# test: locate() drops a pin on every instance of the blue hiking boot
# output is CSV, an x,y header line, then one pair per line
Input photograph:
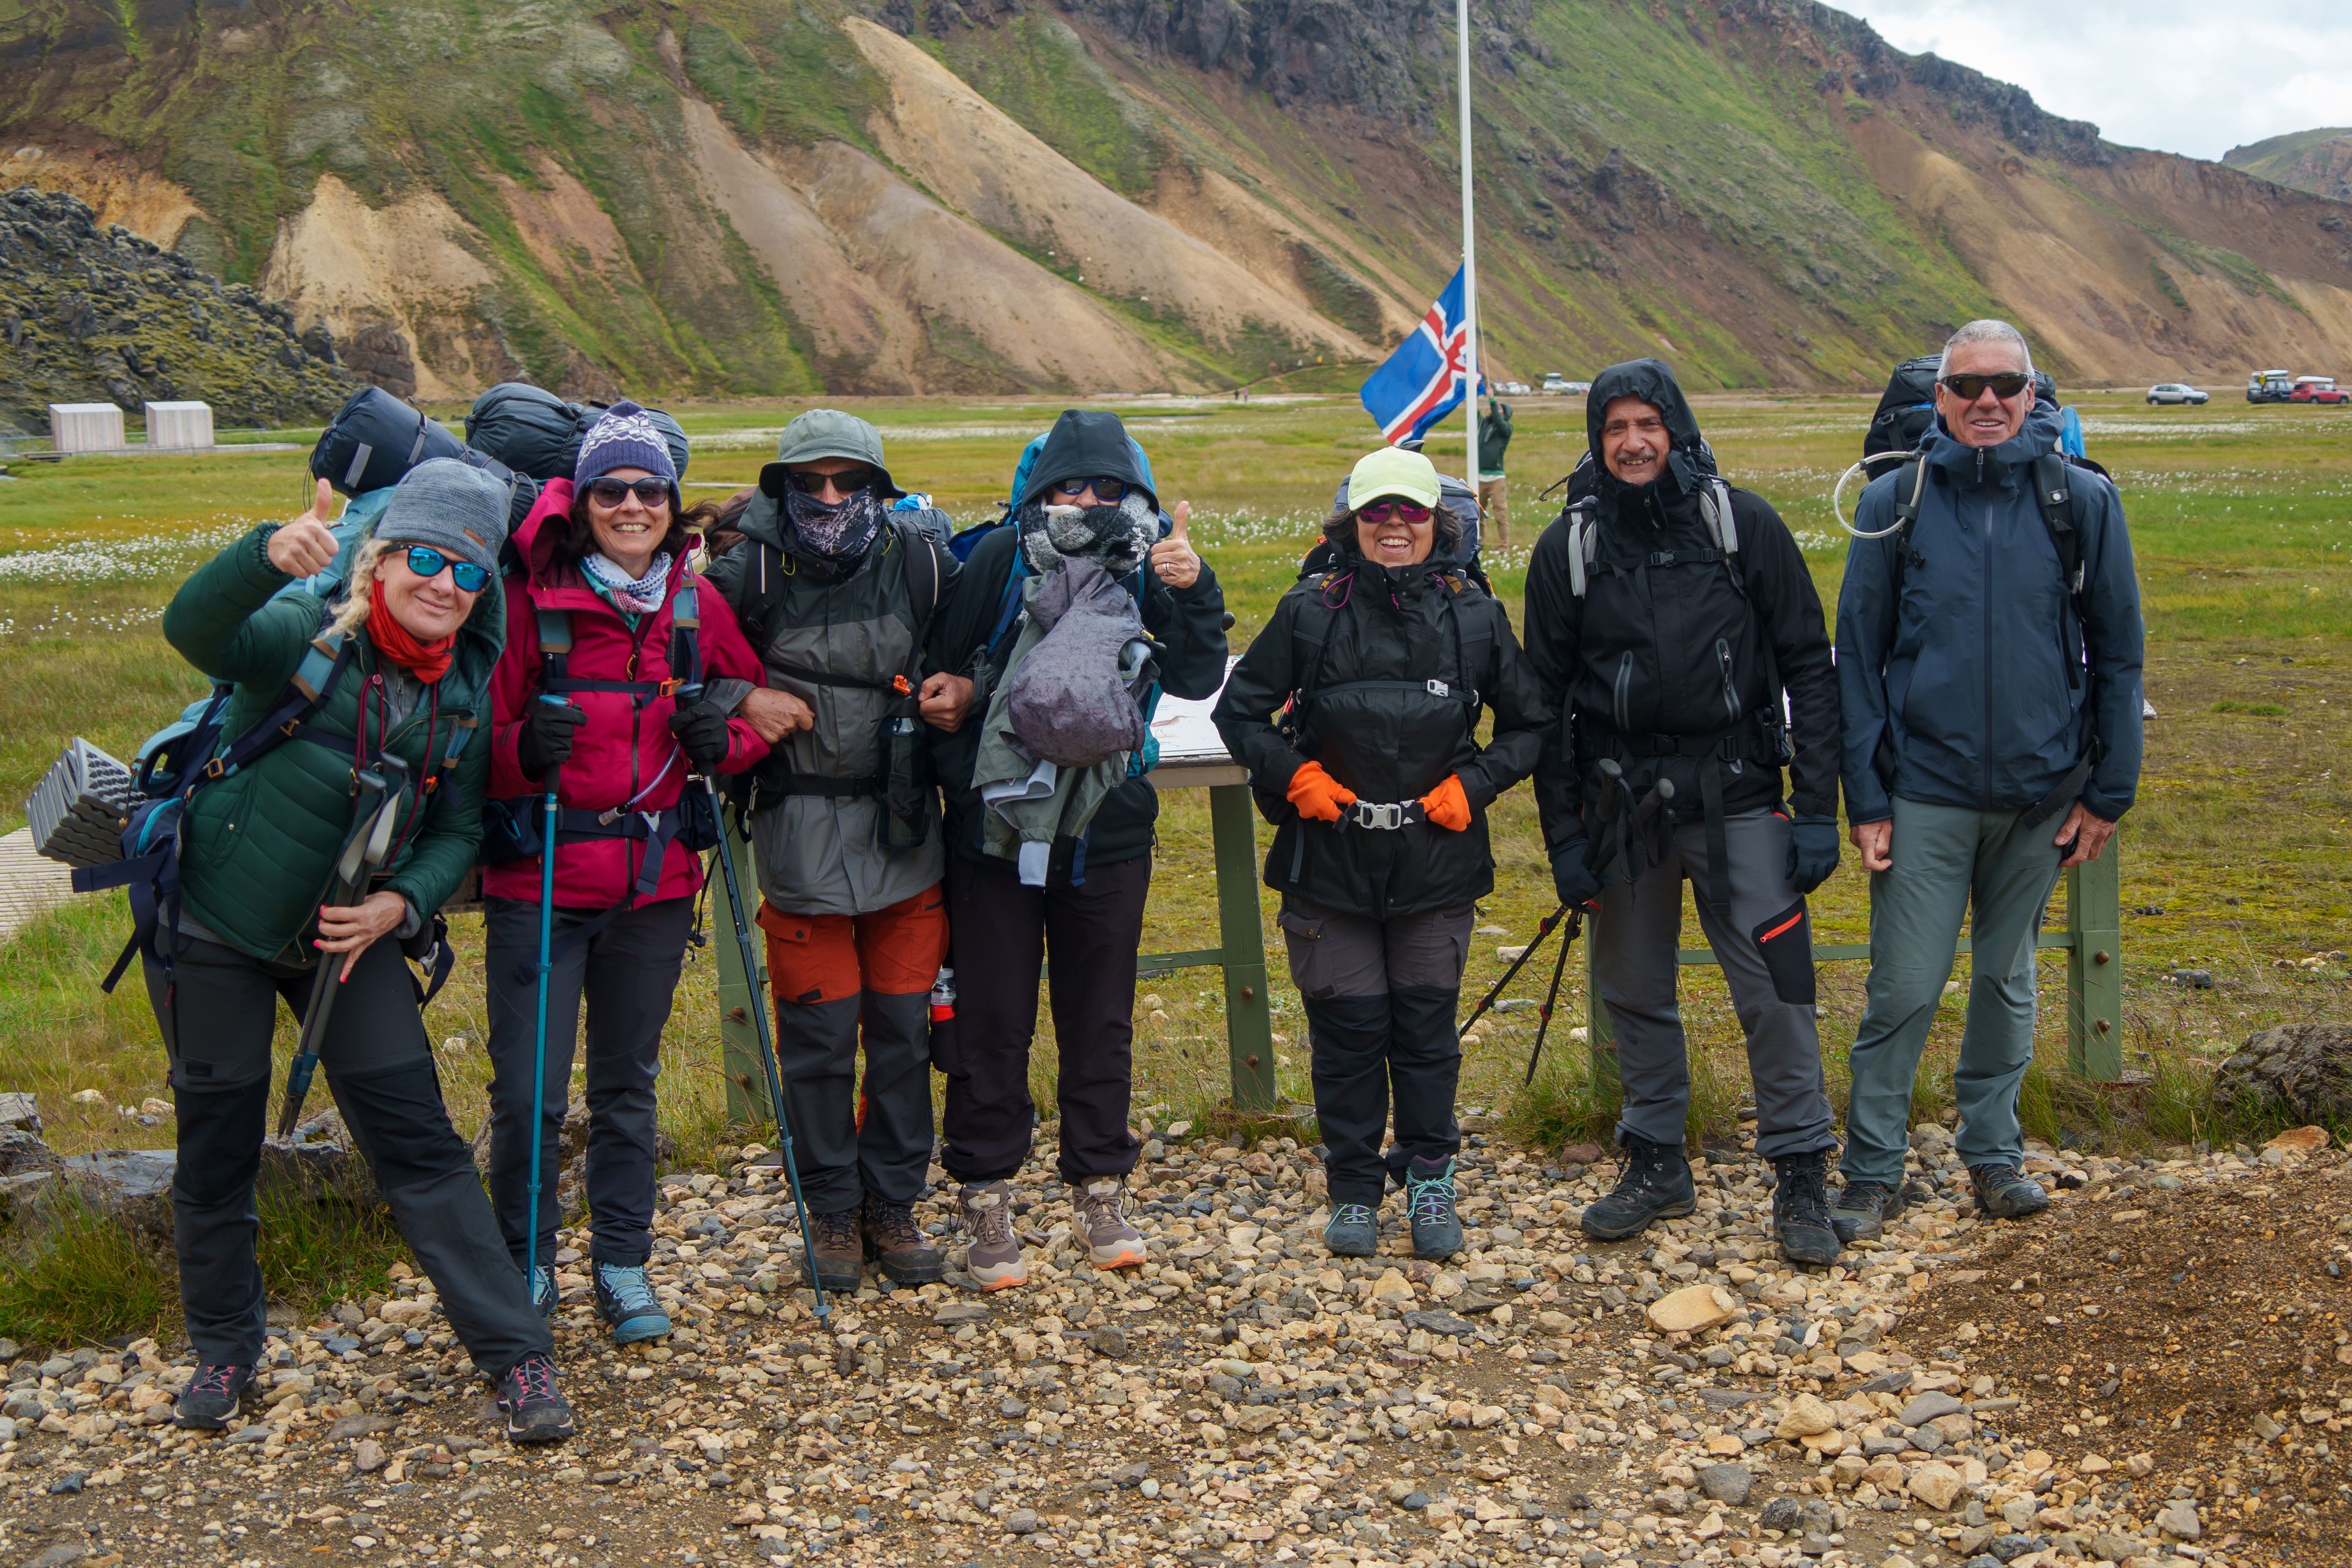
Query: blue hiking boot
x,y
1354,1231
543,1294
627,1302
1429,1199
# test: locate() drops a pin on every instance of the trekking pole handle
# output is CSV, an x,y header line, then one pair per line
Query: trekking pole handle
x,y
555,770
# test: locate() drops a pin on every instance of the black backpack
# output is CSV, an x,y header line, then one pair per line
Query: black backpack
x,y
529,430
1905,409
375,438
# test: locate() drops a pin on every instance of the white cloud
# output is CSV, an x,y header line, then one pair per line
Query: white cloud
x,y
2184,76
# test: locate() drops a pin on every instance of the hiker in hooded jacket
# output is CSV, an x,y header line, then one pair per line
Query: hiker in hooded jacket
x,y
1992,710
602,614
1672,619
1379,666
1057,858
418,629
843,599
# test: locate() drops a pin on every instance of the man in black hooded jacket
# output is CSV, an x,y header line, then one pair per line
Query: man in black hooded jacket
x,y
1086,497
1668,614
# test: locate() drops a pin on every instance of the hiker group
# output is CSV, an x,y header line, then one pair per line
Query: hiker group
x,y
941,749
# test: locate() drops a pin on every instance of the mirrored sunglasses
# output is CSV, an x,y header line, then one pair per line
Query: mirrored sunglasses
x,y
1380,511
427,562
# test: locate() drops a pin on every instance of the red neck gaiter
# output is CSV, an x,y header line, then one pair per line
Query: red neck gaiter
x,y
428,661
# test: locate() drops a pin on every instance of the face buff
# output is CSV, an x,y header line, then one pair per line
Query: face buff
x,y
1116,538
841,533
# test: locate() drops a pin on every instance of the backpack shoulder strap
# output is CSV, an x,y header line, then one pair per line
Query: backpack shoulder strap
x,y
1715,506
1910,491
1477,638
1583,543
686,633
2053,489
925,575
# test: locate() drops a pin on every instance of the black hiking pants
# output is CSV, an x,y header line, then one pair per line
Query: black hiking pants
x,y
217,1012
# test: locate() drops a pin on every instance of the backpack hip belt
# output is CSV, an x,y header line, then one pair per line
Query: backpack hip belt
x,y
1387,818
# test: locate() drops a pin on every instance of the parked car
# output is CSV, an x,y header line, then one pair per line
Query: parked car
x,y
1515,389
2269,387
2175,392
1554,381
2318,389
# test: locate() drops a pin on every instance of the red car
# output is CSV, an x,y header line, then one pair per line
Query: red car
x,y
2318,389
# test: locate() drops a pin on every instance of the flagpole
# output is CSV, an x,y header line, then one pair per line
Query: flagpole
x,y
1469,248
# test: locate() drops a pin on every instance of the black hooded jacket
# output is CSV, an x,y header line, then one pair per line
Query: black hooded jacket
x,y
1665,644
1391,739
1190,623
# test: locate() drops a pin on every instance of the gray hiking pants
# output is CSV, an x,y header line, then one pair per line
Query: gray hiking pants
x,y
1765,944
1949,861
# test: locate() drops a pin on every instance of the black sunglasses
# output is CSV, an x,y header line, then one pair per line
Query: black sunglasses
x,y
1106,489
2006,383
650,492
427,562
847,481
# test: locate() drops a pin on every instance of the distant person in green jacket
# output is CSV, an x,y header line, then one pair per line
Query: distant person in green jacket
x,y
418,625
1493,492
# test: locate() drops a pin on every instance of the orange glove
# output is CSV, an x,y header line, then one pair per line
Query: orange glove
x,y
1318,796
1447,805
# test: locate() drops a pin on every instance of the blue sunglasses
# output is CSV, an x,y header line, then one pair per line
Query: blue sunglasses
x,y
427,562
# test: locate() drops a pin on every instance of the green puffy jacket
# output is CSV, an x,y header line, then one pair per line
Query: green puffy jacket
x,y
260,845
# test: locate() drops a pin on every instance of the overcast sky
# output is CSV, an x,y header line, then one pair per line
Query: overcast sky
x,y
2184,76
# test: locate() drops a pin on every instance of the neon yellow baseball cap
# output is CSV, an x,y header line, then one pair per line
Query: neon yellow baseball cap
x,y
1393,471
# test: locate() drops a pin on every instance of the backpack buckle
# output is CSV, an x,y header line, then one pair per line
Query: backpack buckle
x,y
669,688
1388,816
214,769
1439,689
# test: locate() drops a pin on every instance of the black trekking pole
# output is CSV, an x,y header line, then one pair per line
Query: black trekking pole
x,y
759,1010
371,840
1551,998
1543,930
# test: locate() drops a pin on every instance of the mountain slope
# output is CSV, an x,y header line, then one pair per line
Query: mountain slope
x,y
2320,162
776,196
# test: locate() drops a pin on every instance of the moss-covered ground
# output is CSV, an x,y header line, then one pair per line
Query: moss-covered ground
x,y
2235,861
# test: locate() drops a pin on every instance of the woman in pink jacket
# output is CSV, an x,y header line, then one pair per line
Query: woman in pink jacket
x,y
605,617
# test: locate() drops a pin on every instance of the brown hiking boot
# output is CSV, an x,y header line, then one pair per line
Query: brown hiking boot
x,y
1111,1241
994,1258
893,1237
840,1262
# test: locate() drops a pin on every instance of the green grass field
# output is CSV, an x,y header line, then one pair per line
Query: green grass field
x,y
2234,862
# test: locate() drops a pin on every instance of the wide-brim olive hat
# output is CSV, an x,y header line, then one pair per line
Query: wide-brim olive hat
x,y
828,432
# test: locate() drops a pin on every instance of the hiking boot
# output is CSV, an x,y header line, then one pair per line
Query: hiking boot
x,y
545,1294
892,1237
2004,1192
1111,1241
213,1395
994,1258
1801,1208
1865,1210
1654,1184
1354,1231
839,1261
625,1299
535,1412
1429,1204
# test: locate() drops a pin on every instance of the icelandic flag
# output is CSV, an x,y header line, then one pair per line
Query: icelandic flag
x,y
1421,382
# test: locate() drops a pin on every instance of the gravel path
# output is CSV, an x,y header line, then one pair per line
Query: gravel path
x,y
1243,1398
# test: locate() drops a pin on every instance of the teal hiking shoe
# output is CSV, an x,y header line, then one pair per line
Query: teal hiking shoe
x,y
625,1300
1354,1231
1429,1199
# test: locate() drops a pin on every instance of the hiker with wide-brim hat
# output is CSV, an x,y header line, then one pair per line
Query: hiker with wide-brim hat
x,y
1087,502
1379,666
837,593
603,615
419,622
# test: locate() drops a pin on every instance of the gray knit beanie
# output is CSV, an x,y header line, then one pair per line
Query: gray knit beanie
x,y
452,506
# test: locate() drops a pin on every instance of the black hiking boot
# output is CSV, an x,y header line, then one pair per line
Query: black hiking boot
x,y
535,1411
1801,1208
1864,1209
217,1392
1655,1184
2004,1192
892,1238
839,1264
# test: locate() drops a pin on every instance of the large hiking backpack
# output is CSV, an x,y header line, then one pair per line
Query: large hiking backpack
x,y
375,438
538,434
1905,409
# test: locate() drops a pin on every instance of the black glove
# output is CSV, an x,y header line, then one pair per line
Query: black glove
x,y
1812,852
702,732
1577,885
546,739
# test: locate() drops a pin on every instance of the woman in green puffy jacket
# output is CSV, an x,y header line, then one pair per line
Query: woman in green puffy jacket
x,y
416,630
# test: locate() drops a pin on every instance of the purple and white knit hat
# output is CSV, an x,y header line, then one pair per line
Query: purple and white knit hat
x,y
623,438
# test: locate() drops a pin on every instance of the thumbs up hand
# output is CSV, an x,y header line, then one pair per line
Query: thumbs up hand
x,y
1174,560
307,545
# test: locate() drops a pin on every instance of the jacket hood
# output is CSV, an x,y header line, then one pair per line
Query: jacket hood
x,y
827,433
535,539
1082,444
2036,436
1687,459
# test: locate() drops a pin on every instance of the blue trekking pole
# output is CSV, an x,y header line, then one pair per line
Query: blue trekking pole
x,y
686,697
547,812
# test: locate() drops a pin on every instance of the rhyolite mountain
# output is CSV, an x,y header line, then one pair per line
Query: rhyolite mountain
x,y
780,197
2319,161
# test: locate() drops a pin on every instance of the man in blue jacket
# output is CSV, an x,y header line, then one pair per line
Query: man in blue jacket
x,y
1991,717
